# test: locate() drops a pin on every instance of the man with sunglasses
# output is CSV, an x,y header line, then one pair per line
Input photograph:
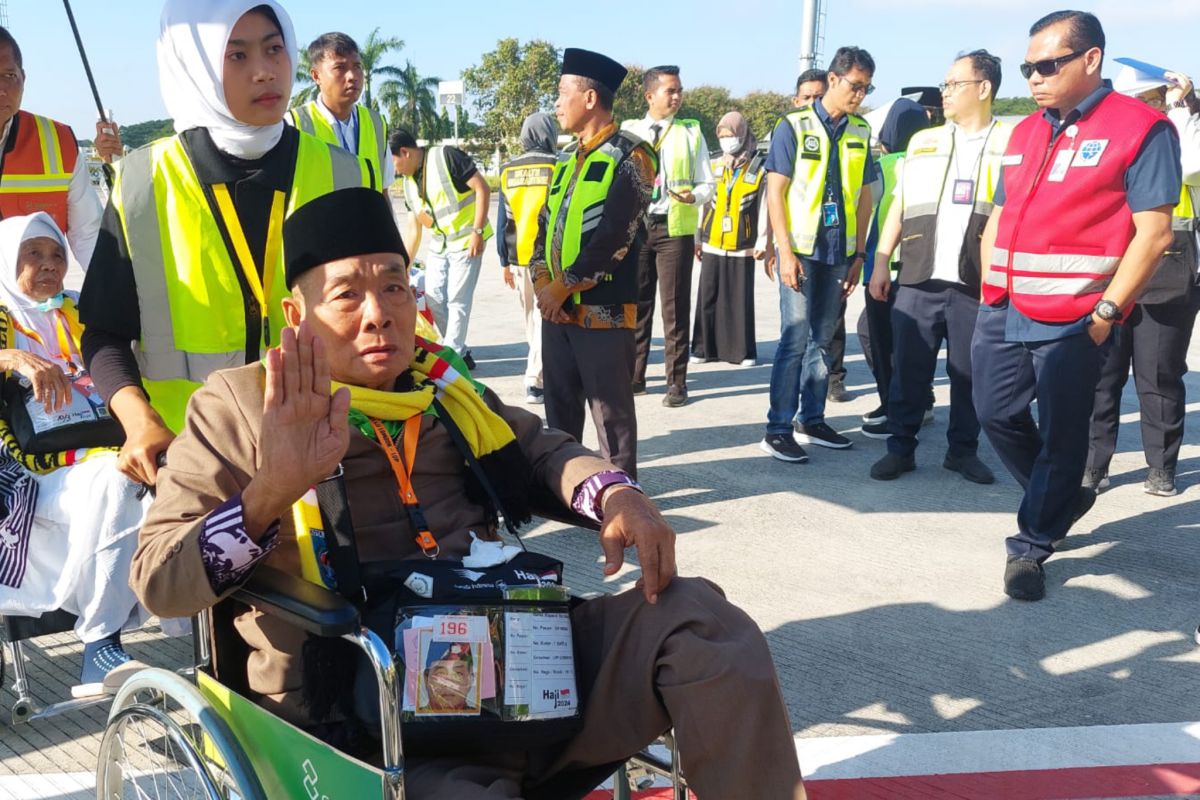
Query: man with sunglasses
x,y
1081,216
943,201
819,199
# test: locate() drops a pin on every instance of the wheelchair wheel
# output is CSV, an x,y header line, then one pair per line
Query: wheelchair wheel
x,y
164,741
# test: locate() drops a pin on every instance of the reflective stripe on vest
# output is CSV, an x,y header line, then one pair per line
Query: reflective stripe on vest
x,y
585,207
1059,241
453,212
525,187
38,169
806,193
190,300
372,133
738,203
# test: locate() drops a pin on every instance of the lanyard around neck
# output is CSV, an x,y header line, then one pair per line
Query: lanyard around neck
x,y
402,468
67,350
262,285
663,136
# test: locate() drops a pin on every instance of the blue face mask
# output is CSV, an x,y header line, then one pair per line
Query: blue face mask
x,y
51,304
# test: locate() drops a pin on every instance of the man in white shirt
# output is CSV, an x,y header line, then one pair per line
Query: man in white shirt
x,y
683,185
36,174
336,116
943,200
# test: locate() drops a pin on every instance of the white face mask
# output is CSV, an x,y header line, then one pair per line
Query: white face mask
x,y
730,144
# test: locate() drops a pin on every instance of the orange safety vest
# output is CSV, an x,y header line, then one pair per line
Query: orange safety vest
x,y
37,170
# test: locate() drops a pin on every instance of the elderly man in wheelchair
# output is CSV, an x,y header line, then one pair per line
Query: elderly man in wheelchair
x,y
370,462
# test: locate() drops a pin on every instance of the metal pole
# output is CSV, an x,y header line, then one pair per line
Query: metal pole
x,y
83,55
455,125
808,34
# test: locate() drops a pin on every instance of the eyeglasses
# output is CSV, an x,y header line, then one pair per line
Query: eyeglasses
x,y
950,87
1050,66
858,88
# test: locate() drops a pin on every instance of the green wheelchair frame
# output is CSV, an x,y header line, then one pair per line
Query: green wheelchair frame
x,y
170,737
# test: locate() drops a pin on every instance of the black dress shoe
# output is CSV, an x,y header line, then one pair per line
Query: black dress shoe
x,y
892,466
970,467
676,397
639,387
1024,579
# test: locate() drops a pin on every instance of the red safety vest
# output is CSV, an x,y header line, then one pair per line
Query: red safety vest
x,y
1066,224
37,171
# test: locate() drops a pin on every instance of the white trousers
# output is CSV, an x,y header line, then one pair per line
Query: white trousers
x,y
450,280
533,325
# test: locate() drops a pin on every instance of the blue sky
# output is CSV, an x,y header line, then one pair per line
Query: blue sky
x,y
746,45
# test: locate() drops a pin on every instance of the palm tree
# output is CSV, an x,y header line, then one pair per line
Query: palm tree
x,y
372,52
411,100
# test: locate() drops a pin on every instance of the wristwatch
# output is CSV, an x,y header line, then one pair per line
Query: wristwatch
x,y
1108,311
1180,103
859,254
477,231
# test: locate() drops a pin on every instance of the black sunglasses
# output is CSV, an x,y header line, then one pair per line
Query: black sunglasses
x,y
1050,66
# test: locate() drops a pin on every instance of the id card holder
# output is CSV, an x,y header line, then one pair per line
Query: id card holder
x,y
656,195
829,213
726,224
1058,171
964,192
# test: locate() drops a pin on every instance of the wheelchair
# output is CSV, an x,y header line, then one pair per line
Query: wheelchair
x,y
16,631
169,736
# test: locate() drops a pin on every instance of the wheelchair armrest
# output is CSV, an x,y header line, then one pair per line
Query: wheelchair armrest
x,y
298,602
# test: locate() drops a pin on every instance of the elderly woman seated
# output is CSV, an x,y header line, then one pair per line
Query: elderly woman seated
x,y
69,532
351,385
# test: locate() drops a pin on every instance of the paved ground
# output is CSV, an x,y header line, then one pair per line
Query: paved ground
x,y
882,601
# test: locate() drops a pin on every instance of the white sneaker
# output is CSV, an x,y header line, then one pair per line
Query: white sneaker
x,y
749,362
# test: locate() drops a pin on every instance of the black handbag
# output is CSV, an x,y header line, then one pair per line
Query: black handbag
x,y
82,423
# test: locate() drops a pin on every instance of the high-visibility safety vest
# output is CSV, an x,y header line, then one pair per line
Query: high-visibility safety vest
x,y
453,212
806,193
678,150
372,133
890,165
927,168
524,186
37,171
1066,224
1175,277
197,313
579,212
731,217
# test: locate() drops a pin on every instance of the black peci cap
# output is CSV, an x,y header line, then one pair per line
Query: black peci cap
x,y
341,224
596,66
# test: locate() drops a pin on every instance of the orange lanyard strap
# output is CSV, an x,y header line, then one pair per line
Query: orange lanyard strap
x,y
66,346
402,468
260,287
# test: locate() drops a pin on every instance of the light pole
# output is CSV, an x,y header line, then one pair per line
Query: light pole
x,y
810,34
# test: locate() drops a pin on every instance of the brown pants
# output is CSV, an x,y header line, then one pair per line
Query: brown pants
x,y
665,267
592,367
693,661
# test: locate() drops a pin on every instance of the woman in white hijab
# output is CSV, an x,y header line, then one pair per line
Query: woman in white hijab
x,y
189,261
70,531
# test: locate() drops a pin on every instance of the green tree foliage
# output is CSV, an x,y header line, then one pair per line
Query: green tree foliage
x,y
411,101
630,101
1014,106
707,104
134,136
510,83
762,110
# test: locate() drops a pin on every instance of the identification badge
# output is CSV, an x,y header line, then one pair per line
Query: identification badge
x,y
1061,162
829,212
726,224
964,192
812,144
1089,153
656,195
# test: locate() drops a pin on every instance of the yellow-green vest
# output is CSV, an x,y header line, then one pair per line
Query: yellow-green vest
x,y
453,212
926,169
524,186
677,150
372,133
579,215
806,193
192,306
731,217
1175,277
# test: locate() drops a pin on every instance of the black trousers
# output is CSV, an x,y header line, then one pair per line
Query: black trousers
x,y
665,269
923,316
875,338
1046,457
724,327
592,367
837,348
1155,341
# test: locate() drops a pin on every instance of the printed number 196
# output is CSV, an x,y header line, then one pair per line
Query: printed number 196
x,y
453,628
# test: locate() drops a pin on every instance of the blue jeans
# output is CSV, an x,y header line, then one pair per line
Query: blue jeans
x,y
807,320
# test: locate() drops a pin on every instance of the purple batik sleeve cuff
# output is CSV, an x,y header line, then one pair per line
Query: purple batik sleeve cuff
x,y
589,493
228,552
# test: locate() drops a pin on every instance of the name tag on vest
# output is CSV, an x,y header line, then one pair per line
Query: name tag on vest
x,y
1011,160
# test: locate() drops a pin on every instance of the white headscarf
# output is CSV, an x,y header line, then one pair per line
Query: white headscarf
x,y
29,314
191,55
